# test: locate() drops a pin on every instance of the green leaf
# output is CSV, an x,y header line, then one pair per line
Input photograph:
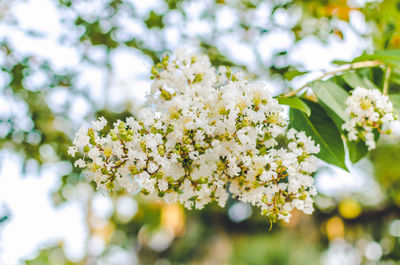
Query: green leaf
x,y
296,103
387,56
354,80
395,99
395,78
332,96
323,131
289,75
357,150
340,62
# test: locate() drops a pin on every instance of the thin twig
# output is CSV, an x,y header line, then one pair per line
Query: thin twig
x,y
341,69
387,78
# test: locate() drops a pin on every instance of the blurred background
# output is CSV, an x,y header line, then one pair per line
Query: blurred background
x,y
63,63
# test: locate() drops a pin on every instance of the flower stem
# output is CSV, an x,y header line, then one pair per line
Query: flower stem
x,y
343,68
387,78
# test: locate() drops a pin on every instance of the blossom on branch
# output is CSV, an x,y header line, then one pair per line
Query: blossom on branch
x,y
368,110
206,134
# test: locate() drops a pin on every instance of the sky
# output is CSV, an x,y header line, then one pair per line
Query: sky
x,y
35,222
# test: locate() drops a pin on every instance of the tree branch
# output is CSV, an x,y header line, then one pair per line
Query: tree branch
x,y
341,69
387,78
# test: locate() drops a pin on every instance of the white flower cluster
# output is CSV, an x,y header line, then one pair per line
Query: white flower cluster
x,y
205,134
368,110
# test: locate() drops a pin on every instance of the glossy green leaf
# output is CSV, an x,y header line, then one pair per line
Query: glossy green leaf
x,y
395,78
387,56
289,75
323,131
354,80
333,99
395,99
357,150
296,103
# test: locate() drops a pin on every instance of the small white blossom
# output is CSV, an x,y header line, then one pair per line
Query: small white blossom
x,y
80,163
367,109
81,138
100,124
72,151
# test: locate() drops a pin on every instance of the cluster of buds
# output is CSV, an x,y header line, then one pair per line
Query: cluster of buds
x,y
368,110
206,134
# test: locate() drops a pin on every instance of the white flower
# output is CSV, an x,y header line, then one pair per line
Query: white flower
x,y
94,153
80,163
162,185
100,124
72,150
152,167
81,138
147,117
367,109
201,134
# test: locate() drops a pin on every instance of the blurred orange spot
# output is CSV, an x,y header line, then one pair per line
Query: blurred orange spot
x,y
294,220
395,41
334,228
340,10
105,232
173,218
